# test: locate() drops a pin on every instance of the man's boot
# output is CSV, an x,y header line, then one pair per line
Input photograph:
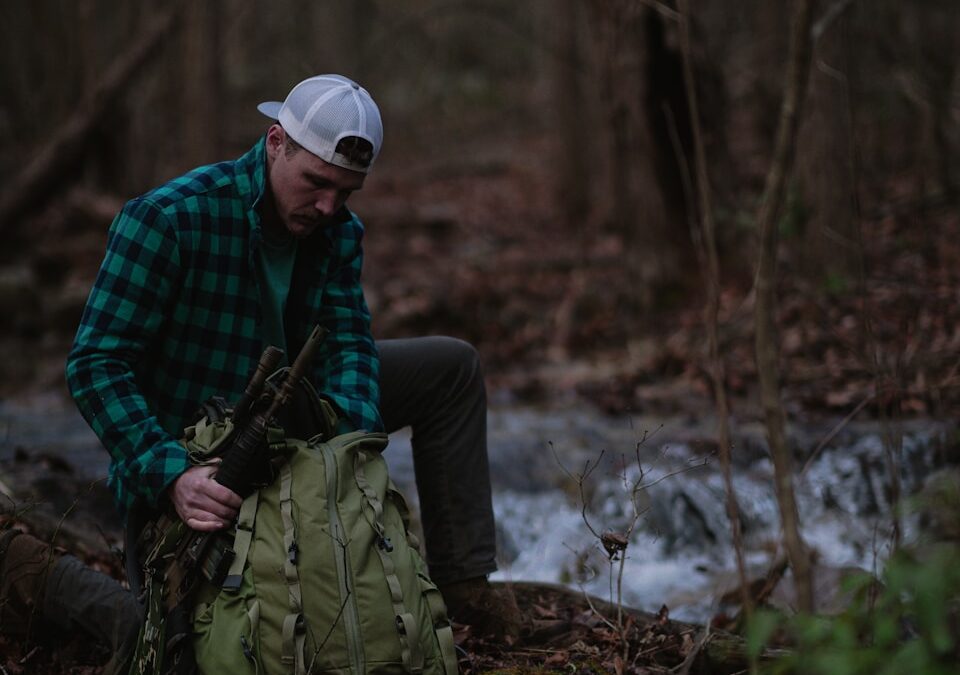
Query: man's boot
x,y
488,610
42,589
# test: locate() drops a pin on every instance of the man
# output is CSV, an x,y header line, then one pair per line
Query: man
x,y
203,272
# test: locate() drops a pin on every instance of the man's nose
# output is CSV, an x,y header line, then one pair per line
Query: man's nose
x,y
325,203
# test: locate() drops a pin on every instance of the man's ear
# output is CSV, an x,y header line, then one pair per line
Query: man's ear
x,y
275,140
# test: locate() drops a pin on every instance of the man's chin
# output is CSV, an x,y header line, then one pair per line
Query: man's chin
x,y
301,229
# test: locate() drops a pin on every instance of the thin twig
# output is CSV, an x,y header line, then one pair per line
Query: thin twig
x,y
623,629
663,9
336,620
702,463
29,656
582,557
948,381
346,598
686,182
832,14
13,503
641,442
833,432
580,479
70,509
701,642
593,608
50,550
6,491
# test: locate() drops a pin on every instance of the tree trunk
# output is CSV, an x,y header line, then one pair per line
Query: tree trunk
x,y
711,274
573,171
55,161
825,162
202,98
768,367
636,201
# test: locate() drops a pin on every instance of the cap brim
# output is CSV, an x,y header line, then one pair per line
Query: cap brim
x,y
271,109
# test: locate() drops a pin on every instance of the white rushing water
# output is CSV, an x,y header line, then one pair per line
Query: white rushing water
x,y
680,552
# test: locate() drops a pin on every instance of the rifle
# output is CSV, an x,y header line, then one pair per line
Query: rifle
x,y
245,461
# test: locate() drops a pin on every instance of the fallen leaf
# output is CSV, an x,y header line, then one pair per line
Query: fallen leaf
x,y
557,659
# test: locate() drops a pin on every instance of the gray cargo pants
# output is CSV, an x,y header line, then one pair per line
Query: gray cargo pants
x,y
433,385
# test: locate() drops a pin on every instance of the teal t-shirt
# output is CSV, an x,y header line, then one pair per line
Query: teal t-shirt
x,y
277,256
278,252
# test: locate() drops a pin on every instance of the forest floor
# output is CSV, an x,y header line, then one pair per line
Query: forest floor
x,y
564,631
479,252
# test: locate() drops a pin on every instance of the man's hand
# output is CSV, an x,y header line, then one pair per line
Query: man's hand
x,y
201,502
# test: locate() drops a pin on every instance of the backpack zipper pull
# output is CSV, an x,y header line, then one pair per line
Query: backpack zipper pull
x,y
247,652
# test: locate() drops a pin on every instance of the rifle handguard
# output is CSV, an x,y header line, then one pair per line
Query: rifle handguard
x,y
246,460
269,361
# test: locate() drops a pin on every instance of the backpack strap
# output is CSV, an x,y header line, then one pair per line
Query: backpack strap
x,y
441,625
431,594
248,516
410,645
294,631
241,541
401,505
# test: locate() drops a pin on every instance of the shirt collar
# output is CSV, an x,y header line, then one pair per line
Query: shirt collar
x,y
252,172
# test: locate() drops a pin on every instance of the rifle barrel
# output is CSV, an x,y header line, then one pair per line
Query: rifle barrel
x,y
268,363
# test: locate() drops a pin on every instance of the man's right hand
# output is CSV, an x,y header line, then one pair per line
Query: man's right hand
x,y
201,502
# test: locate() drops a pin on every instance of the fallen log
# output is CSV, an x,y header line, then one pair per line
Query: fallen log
x,y
46,497
705,650
79,539
54,161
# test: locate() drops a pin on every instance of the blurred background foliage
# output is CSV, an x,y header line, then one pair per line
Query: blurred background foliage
x,y
534,196
534,192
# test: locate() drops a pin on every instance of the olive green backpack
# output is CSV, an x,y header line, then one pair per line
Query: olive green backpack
x,y
325,576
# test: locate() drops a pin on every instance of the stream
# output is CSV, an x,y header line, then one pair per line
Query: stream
x,y
679,552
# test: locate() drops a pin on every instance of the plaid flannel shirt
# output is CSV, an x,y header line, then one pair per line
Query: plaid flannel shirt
x,y
174,317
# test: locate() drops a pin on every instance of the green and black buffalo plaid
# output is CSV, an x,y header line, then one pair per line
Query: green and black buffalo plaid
x,y
174,318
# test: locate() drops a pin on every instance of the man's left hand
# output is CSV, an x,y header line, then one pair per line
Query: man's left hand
x,y
201,502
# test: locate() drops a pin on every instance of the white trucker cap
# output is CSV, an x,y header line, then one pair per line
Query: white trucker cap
x,y
321,111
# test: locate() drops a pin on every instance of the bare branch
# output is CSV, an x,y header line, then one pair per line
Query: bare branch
x,y
832,14
766,343
580,480
612,626
707,252
5,490
662,9
833,432
702,463
701,642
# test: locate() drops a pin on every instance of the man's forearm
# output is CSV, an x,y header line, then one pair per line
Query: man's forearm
x,y
123,315
145,459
